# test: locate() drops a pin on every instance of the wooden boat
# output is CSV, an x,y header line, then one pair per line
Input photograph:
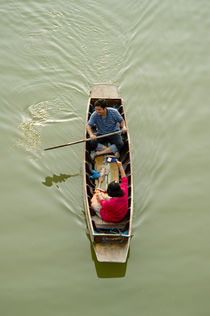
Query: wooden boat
x,y
110,241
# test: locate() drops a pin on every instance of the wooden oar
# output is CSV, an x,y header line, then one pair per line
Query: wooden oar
x,y
83,140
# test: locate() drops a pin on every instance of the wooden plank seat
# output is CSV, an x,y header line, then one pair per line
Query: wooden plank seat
x,y
100,224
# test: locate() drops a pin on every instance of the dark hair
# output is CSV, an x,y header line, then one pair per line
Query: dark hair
x,y
101,102
114,189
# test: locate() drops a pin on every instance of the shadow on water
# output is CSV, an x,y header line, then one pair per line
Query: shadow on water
x,y
108,270
58,179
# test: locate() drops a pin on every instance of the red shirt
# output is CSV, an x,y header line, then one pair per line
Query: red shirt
x,y
115,209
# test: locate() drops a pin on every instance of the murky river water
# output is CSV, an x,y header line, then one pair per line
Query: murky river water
x,y
158,54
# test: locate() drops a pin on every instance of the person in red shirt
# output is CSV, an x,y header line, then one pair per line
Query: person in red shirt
x,y
114,208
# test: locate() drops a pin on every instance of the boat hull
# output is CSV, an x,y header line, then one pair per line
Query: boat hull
x,y
110,241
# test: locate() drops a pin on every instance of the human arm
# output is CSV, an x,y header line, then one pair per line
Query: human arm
x,y
122,172
89,130
123,126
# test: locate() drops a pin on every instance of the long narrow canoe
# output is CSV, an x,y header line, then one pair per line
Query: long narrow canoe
x,y
110,241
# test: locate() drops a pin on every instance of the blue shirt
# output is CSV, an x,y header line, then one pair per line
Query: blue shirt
x,y
108,124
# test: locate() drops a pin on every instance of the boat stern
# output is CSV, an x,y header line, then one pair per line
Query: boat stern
x,y
111,249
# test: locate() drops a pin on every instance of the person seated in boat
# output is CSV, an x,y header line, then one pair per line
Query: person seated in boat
x,y
107,120
114,207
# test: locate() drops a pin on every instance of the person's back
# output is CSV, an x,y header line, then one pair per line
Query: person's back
x,y
115,209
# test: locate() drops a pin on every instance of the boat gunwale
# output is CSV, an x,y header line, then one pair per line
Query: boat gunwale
x,y
93,235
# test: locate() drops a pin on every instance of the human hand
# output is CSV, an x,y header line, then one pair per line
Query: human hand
x,y
93,137
119,163
99,196
124,129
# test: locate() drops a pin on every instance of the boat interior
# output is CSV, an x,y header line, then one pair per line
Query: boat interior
x,y
121,228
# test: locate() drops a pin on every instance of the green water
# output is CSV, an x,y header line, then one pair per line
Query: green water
x,y
157,53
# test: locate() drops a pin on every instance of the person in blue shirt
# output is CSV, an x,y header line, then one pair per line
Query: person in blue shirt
x,y
107,120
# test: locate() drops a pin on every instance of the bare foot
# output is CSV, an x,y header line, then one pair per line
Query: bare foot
x,y
104,151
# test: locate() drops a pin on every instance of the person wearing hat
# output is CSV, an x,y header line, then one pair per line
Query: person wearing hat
x,y
115,208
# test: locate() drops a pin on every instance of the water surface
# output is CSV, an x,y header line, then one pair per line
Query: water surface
x,y
157,53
